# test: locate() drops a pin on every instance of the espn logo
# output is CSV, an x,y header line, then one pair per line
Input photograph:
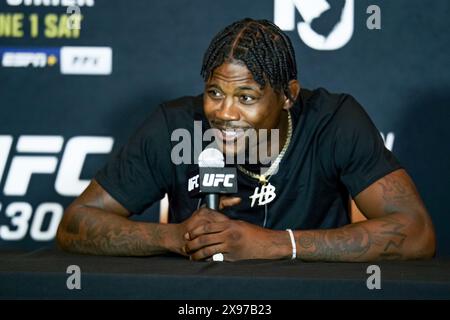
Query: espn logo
x,y
86,60
24,59
29,57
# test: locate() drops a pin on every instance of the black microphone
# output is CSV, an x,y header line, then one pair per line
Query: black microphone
x,y
211,158
211,180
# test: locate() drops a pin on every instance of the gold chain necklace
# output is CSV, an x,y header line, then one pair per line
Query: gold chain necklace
x,y
267,193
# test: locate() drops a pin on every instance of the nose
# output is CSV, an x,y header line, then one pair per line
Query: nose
x,y
228,111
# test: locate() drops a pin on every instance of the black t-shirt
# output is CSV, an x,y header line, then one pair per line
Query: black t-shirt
x,y
335,151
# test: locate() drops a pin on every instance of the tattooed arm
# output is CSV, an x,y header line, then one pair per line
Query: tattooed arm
x,y
95,223
399,227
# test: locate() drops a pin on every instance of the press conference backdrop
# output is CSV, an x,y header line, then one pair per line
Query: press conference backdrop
x,y
71,94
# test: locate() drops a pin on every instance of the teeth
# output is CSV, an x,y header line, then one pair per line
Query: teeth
x,y
229,133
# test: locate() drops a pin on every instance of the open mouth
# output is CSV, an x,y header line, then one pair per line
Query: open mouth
x,y
228,135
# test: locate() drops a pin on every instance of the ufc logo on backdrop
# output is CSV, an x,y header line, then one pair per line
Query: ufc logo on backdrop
x,y
35,155
27,163
325,25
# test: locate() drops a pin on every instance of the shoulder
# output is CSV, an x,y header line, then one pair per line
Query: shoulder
x,y
169,115
325,109
323,102
187,107
184,102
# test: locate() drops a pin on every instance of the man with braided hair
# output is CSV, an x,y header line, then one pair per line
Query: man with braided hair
x,y
330,151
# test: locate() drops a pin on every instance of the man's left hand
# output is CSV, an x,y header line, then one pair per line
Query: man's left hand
x,y
236,240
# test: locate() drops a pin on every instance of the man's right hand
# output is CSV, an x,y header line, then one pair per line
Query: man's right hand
x,y
200,217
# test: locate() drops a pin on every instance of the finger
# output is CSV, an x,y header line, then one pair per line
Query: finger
x,y
191,224
208,252
183,251
209,214
207,228
203,241
195,222
218,217
212,215
202,211
228,202
199,216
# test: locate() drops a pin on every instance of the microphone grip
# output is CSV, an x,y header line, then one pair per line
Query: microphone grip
x,y
212,201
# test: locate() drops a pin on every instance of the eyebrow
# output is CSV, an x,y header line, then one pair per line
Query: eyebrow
x,y
248,88
239,88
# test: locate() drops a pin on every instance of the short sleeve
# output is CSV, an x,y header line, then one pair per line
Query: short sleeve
x,y
359,152
139,174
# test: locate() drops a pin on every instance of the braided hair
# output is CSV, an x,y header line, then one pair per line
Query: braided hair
x,y
261,45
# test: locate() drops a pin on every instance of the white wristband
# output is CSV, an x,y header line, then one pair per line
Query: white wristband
x,y
294,246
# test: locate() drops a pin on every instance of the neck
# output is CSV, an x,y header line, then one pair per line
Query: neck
x,y
282,136
283,127
265,156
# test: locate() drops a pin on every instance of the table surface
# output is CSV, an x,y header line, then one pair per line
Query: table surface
x,y
42,274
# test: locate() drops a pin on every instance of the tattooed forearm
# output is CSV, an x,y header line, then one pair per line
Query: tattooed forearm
x,y
89,230
381,238
392,231
335,245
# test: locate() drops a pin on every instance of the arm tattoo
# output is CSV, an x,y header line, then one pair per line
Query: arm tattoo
x,y
379,238
355,242
105,233
392,238
335,245
396,193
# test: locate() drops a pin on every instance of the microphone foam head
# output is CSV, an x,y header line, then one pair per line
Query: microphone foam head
x,y
211,158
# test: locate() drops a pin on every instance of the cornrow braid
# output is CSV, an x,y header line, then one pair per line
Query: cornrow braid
x,y
261,45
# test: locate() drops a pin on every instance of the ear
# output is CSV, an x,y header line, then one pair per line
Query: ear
x,y
294,90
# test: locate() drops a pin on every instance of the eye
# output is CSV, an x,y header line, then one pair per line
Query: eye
x,y
247,99
214,93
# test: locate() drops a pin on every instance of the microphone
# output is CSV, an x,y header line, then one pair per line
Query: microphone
x,y
211,180
211,158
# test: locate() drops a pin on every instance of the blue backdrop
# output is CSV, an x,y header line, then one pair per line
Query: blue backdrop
x,y
70,97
